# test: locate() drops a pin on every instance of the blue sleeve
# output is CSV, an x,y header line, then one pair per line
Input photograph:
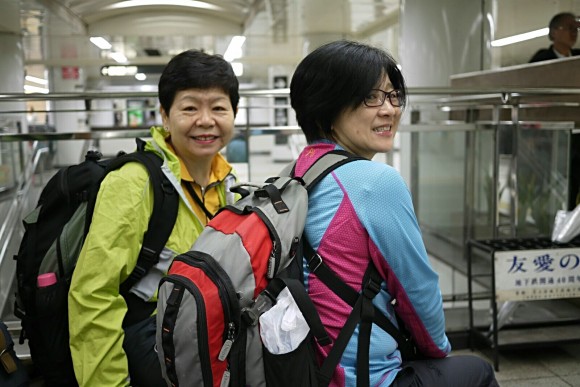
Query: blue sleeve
x,y
383,203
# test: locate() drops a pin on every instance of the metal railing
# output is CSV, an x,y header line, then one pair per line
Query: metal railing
x,y
13,219
430,112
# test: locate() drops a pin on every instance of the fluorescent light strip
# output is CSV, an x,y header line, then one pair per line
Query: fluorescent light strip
x,y
234,50
118,57
238,69
121,71
180,3
39,81
520,37
34,89
100,42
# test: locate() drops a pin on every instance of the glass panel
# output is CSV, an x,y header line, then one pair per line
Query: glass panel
x,y
542,179
440,196
483,184
7,165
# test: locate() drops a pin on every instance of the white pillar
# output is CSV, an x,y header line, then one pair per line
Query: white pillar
x,y
440,38
68,79
12,81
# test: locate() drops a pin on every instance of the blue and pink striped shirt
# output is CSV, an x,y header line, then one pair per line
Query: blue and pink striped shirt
x,y
361,211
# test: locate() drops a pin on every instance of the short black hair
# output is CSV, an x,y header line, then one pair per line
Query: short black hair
x,y
336,76
557,21
195,69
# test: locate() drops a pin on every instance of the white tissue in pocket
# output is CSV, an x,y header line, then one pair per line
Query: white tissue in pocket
x,y
283,327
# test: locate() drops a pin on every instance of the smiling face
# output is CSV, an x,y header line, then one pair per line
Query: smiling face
x,y
366,131
200,122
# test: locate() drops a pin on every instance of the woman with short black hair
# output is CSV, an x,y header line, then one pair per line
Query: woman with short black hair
x,y
350,96
111,344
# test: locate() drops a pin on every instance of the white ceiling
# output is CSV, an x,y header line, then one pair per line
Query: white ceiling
x,y
56,32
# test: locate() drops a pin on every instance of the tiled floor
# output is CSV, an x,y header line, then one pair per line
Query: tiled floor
x,y
551,367
535,367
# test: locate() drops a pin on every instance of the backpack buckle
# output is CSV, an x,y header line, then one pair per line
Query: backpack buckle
x,y
251,314
316,259
137,274
371,288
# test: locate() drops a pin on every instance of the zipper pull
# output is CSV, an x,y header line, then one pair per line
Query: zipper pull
x,y
294,247
225,379
272,262
225,351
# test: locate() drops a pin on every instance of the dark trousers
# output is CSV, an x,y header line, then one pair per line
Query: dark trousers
x,y
139,345
452,371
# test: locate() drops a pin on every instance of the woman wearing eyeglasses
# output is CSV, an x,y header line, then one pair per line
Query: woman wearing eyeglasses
x,y
350,96
563,34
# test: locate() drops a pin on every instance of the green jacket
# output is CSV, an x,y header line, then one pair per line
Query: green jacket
x,y
108,256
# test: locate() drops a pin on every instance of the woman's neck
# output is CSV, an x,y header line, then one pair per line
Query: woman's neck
x,y
199,170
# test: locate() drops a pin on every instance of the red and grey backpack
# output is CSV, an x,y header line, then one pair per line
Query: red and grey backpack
x,y
209,305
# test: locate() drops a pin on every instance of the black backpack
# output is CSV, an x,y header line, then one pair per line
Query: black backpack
x,y
54,234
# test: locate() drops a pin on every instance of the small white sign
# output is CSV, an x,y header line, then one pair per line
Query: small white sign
x,y
537,274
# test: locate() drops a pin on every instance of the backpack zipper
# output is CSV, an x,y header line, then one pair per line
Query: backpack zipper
x,y
203,345
226,292
276,254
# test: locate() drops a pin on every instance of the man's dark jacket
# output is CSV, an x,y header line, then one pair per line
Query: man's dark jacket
x,y
548,53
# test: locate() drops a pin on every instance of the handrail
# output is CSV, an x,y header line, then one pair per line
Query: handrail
x,y
14,215
481,91
113,133
92,135
21,192
443,98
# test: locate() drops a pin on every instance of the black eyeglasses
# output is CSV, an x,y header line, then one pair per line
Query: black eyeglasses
x,y
377,98
569,28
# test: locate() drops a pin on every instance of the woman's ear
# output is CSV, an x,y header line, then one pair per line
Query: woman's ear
x,y
164,118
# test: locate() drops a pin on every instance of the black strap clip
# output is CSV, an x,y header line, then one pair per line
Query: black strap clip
x,y
251,314
314,262
371,288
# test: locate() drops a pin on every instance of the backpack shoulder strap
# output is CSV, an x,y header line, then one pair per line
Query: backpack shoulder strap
x,y
165,204
348,294
326,164
163,217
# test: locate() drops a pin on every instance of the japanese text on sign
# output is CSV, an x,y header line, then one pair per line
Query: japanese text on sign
x,y
537,274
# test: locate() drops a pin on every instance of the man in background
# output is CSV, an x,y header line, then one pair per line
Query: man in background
x,y
563,34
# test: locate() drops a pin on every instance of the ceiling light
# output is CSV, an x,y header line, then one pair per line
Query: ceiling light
x,y
234,50
118,57
520,37
238,69
32,79
100,42
180,3
119,71
140,76
34,89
